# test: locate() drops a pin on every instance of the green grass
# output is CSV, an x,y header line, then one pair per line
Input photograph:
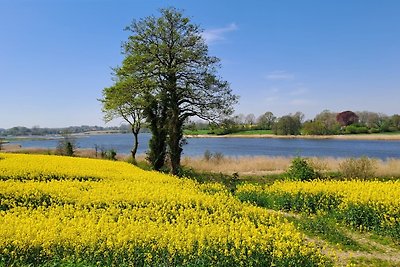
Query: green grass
x,y
195,132
383,240
327,229
229,180
388,133
241,132
372,134
253,132
366,262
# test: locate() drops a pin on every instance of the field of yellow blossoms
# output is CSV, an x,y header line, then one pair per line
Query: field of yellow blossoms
x,y
56,211
366,205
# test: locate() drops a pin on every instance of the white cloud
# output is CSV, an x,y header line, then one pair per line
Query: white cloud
x,y
218,34
279,75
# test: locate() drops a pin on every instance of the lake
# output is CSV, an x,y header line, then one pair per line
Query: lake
x,y
242,146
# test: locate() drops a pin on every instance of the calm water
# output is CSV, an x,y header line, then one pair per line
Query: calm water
x,y
244,146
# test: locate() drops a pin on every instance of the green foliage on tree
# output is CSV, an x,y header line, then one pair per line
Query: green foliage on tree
x,y
125,99
170,53
324,123
395,121
288,125
266,121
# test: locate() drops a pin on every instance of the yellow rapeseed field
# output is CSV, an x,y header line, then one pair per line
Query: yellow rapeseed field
x,y
102,213
365,204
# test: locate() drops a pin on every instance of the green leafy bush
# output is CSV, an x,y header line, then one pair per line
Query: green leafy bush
x,y
354,129
300,170
109,154
374,130
207,155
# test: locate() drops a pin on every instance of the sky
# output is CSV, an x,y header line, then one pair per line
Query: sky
x,y
280,56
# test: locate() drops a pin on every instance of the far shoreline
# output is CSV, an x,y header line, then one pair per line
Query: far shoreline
x,y
372,137
378,137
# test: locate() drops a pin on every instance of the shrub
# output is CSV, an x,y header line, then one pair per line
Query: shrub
x,y
207,155
374,130
354,129
300,170
358,168
218,156
66,146
109,154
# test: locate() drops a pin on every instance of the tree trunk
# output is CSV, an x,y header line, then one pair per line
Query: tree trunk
x,y
135,145
156,116
157,152
174,141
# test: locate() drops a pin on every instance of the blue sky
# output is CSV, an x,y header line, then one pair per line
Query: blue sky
x,y
280,56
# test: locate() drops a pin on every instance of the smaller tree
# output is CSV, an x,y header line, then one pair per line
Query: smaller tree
x,y
395,121
287,125
313,128
383,122
367,118
250,119
346,118
266,121
299,116
66,145
324,123
1,143
239,119
125,100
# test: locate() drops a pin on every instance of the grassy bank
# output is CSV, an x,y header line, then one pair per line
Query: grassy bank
x,y
264,166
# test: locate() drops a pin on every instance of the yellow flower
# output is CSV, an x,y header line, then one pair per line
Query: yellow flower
x,y
100,211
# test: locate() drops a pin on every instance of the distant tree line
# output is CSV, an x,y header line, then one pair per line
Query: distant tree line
x,y
38,131
348,122
324,123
